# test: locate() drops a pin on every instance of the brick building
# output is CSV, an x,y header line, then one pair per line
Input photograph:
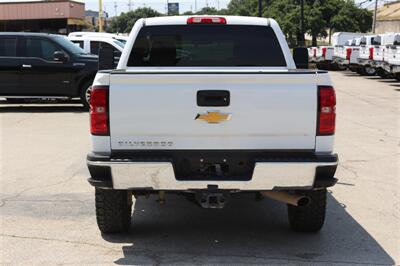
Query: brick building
x,y
54,16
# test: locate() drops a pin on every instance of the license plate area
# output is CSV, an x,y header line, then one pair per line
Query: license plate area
x,y
213,166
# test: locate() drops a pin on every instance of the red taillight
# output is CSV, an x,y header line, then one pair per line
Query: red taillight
x,y
99,111
324,52
371,53
326,110
315,52
348,53
206,20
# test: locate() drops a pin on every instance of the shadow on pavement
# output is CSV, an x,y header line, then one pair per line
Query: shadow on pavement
x,y
351,74
70,107
244,232
388,80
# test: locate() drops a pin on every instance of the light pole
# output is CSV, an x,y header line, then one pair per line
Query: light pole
x,y
260,8
100,15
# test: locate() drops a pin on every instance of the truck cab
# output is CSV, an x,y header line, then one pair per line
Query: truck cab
x,y
39,65
92,44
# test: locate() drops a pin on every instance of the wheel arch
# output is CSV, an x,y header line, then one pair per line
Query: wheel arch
x,y
89,77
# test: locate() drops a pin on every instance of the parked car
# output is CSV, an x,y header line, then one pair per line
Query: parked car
x,y
208,106
117,37
392,57
39,65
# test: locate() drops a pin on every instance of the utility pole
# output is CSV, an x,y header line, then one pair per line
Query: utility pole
x,y
218,4
374,23
100,15
260,8
130,5
302,41
195,6
115,8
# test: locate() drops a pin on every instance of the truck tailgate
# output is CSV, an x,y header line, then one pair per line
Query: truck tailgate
x,y
267,111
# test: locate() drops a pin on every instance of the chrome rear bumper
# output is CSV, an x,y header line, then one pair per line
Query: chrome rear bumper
x,y
134,175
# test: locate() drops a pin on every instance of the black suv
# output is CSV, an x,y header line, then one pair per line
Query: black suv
x,y
40,65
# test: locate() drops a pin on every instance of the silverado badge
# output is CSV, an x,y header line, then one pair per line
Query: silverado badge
x,y
213,117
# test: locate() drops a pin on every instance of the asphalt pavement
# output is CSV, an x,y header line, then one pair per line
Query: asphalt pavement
x,y
47,207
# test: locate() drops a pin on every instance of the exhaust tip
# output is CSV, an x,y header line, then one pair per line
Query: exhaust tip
x,y
303,201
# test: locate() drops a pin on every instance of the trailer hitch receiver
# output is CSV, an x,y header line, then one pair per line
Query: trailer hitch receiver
x,y
212,199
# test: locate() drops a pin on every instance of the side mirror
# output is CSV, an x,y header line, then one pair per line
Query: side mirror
x,y
107,58
60,56
300,56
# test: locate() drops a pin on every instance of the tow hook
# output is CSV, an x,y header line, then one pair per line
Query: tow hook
x,y
212,199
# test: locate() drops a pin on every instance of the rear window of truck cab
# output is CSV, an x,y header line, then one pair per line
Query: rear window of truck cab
x,y
206,45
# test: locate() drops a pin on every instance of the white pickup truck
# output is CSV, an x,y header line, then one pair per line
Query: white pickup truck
x,y
207,106
346,56
366,54
391,60
378,54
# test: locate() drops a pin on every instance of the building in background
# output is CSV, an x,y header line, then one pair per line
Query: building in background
x,y
388,18
53,16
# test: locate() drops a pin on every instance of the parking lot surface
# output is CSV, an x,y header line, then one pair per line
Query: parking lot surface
x,y
47,206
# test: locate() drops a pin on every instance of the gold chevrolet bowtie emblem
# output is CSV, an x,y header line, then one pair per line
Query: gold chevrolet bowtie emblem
x,y
213,117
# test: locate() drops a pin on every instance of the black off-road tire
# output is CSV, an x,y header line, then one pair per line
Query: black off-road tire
x,y
83,94
359,71
368,71
113,210
384,74
310,218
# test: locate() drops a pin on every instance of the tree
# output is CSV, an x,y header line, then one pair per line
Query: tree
x,y
364,17
207,11
322,17
243,7
315,22
124,22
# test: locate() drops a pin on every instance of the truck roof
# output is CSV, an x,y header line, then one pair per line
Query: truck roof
x,y
230,20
